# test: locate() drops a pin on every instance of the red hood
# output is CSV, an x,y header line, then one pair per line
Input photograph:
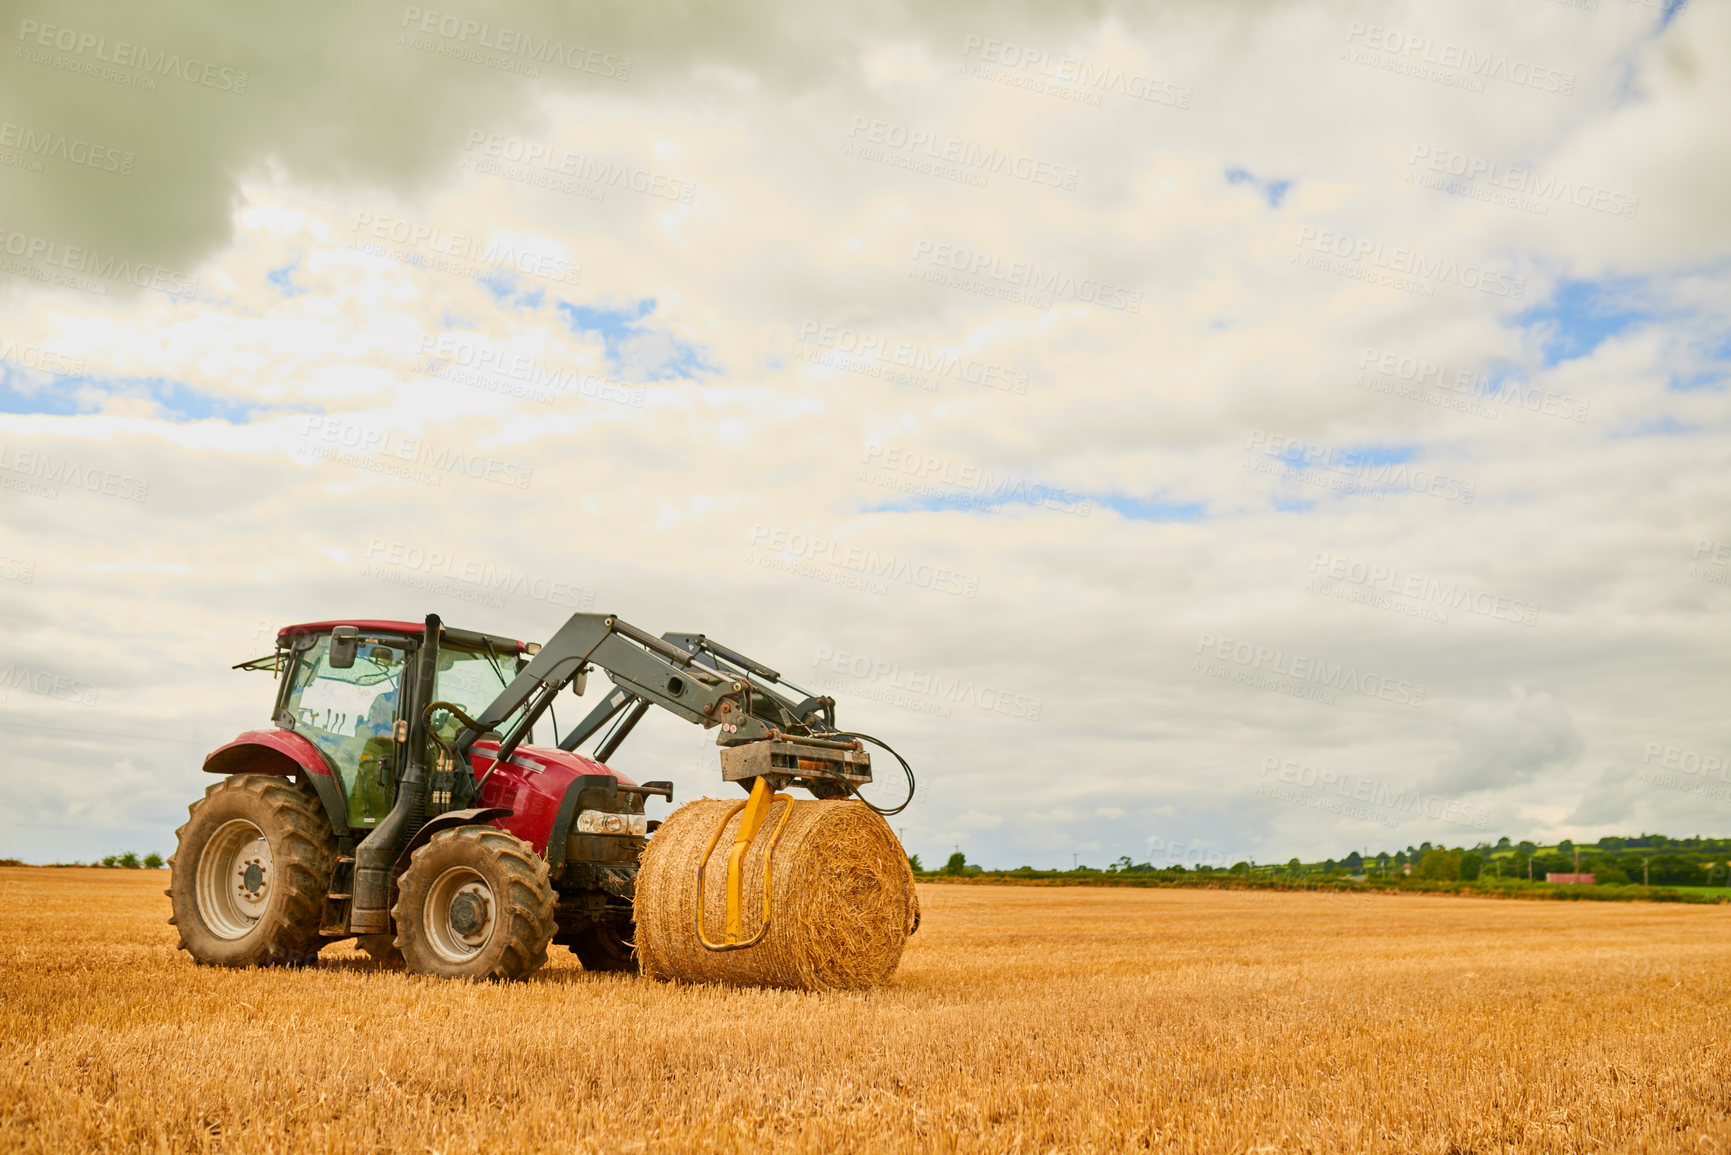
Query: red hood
x,y
542,758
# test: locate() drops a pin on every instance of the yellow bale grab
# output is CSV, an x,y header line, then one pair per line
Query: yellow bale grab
x,y
756,808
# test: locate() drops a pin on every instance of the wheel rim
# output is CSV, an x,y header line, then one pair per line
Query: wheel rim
x,y
459,914
234,879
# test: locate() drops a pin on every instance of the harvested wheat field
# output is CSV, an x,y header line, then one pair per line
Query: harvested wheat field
x,y
1021,1020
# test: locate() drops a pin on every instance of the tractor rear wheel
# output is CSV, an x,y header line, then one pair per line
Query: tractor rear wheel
x,y
604,948
475,903
250,872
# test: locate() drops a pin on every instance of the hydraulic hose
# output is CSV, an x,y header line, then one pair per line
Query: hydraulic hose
x,y
906,769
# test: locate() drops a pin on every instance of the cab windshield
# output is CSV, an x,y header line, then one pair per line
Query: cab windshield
x,y
470,679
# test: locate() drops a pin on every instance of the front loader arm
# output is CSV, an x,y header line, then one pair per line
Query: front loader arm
x,y
812,712
688,676
763,733
640,664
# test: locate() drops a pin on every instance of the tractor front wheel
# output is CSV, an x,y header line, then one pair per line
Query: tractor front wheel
x,y
475,903
250,872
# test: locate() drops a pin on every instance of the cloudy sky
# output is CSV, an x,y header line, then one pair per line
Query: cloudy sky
x,y
1191,431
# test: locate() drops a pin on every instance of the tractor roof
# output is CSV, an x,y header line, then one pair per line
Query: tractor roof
x,y
460,637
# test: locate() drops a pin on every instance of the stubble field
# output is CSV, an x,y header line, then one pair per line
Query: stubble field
x,y
1023,1019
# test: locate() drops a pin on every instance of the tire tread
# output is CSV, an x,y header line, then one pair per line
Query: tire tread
x,y
303,859
526,901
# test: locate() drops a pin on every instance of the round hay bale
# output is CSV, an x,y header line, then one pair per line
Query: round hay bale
x,y
842,902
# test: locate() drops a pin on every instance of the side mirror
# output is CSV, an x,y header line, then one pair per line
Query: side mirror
x,y
344,642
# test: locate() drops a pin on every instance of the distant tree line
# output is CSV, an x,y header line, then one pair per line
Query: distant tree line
x,y
131,861
1647,859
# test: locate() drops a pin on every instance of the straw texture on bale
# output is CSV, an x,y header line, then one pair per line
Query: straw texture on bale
x,y
842,898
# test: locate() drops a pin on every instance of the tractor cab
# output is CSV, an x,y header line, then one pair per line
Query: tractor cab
x,y
344,691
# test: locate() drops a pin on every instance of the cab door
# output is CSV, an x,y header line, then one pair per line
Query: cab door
x,y
350,714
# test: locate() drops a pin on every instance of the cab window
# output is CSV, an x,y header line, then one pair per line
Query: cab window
x,y
470,679
349,715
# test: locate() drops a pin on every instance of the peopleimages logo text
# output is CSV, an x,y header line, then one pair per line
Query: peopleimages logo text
x,y
860,351
516,42
1371,793
333,438
1461,58
44,467
867,562
1452,595
1362,466
49,684
59,146
1411,262
462,576
123,54
76,259
1522,178
1025,275
1473,383
40,359
1303,668
967,155
1076,72
947,688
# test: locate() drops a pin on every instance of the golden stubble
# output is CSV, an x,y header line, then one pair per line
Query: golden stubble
x,y
1021,1019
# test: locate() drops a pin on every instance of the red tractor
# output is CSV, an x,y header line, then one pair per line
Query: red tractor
x,y
400,799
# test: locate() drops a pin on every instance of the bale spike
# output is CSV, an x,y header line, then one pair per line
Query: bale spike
x,y
756,809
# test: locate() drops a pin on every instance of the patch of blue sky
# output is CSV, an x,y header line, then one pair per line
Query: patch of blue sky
x,y
967,502
1490,380
635,348
936,503
1150,509
612,322
1582,315
507,288
38,393
1045,497
1699,379
1628,74
1710,365
1303,456
174,401
1273,191
1663,427
283,278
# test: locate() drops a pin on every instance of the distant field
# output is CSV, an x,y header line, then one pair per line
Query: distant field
x,y
1024,1019
1485,887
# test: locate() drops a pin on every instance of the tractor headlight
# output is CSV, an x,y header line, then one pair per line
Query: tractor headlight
x,y
601,822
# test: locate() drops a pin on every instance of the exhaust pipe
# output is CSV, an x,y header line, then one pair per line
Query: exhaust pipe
x,y
377,853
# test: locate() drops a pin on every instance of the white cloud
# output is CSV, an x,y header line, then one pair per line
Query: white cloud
x,y
1508,743
651,493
